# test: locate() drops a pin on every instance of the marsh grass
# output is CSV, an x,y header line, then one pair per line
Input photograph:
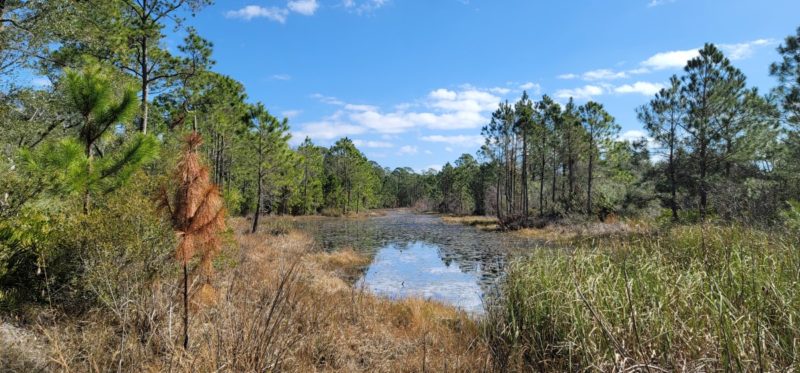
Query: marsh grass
x,y
685,298
283,306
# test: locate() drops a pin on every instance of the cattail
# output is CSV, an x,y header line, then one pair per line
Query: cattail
x,y
198,216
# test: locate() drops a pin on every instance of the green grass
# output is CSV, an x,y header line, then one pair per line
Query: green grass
x,y
719,298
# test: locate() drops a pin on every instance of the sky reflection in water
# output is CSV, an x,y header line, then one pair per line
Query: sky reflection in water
x,y
417,270
419,255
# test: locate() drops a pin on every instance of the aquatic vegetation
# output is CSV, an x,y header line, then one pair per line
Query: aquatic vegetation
x,y
686,298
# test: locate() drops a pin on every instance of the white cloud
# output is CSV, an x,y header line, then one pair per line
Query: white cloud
x,y
327,99
443,94
396,122
408,149
354,107
580,93
644,88
670,60
446,109
456,140
604,74
373,144
500,90
326,130
741,51
364,6
654,3
639,71
254,11
469,100
534,88
567,76
677,59
291,113
281,77
304,7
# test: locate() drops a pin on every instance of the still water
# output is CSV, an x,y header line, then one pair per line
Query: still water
x,y
420,255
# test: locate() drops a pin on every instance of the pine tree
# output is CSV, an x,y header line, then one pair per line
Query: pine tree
x,y
600,128
662,119
198,217
98,105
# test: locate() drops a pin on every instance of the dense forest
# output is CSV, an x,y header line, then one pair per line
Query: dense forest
x,y
103,157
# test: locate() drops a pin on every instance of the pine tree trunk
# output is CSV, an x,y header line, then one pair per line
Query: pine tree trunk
x,y
555,178
541,181
145,72
260,182
672,182
185,306
258,206
703,191
589,189
87,199
525,175
591,170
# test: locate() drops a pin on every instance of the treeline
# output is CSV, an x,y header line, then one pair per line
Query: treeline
x,y
716,148
108,86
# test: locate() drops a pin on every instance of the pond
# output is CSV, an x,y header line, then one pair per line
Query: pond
x,y
420,255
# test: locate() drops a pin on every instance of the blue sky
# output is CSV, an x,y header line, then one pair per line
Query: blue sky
x,y
413,81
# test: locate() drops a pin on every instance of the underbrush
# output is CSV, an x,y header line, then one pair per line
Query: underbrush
x,y
686,298
276,305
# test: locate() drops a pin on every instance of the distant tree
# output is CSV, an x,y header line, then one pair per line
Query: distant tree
x,y
572,142
600,129
272,152
312,162
662,118
710,87
548,115
524,111
344,163
787,71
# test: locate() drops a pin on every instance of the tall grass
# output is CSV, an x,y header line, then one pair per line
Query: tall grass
x,y
685,298
279,306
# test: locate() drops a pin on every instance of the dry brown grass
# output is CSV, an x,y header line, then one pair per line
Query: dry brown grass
x,y
282,307
567,233
484,222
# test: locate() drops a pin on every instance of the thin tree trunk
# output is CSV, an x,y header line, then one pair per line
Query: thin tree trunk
x,y
87,199
260,181
591,169
672,186
497,197
145,71
541,180
589,189
703,191
525,174
555,177
185,306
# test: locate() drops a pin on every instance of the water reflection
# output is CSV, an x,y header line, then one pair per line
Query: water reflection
x,y
417,254
417,269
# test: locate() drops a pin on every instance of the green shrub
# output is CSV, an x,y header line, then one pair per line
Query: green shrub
x,y
53,253
791,216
